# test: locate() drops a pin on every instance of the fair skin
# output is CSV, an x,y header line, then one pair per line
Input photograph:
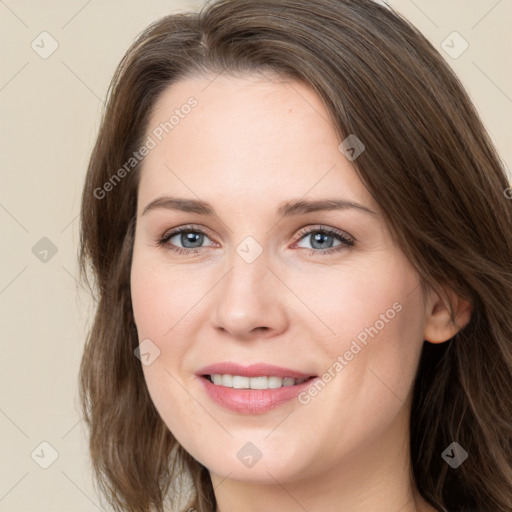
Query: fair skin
x,y
248,146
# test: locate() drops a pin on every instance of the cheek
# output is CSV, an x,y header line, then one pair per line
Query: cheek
x,y
371,363
361,301
377,317
160,301
184,416
161,295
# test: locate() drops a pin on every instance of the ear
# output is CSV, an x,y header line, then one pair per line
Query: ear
x,y
439,326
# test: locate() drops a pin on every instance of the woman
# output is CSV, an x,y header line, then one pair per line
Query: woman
x,y
369,369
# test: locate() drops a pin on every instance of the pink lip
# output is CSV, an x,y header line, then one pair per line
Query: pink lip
x,y
253,401
253,370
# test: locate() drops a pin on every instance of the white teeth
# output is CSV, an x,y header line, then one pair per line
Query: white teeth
x,y
217,379
275,382
227,380
239,382
258,383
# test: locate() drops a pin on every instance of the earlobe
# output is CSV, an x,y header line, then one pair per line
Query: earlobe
x,y
439,326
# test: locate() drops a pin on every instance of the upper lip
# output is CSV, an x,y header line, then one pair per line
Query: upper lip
x,y
253,370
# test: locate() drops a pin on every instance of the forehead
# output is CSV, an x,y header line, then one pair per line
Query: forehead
x,y
249,136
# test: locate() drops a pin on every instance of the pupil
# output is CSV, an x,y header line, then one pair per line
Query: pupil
x,y
193,238
320,238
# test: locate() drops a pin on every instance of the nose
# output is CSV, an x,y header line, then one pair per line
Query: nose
x,y
249,299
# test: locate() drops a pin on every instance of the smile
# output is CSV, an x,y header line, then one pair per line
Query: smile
x,y
253,395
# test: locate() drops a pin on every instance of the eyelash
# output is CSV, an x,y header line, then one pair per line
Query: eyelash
x,y
344,239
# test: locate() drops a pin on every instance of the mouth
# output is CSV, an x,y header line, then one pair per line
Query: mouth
x,y
261,382
254,395
254,389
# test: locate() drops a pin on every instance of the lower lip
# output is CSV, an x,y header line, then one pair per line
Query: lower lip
x,y
253,401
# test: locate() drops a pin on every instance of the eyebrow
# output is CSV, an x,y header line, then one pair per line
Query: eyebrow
x,y
287,209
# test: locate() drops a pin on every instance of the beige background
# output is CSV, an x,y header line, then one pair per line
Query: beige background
x,y
50,112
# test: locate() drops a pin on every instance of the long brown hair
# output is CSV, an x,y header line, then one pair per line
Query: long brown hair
x,y
428,163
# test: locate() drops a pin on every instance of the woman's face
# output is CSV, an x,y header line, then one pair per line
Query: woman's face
x,y
258,281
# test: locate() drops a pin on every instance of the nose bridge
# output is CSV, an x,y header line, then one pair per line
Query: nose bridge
x,y
249,271
247,298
